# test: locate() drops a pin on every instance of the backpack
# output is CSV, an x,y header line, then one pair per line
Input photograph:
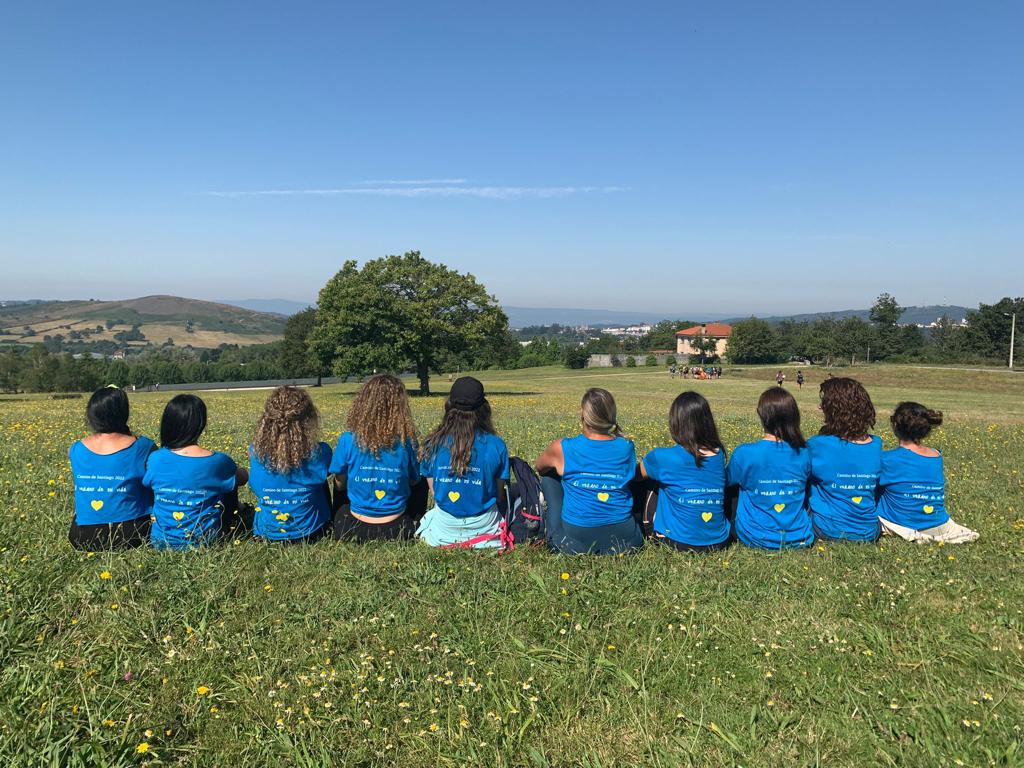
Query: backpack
x,y
524,518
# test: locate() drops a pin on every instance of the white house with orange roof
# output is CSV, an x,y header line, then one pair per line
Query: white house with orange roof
x,y
717,332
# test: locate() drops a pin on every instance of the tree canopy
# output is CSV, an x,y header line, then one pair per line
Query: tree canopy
x,y
402,311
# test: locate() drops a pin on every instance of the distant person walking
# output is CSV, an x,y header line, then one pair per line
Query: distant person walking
x,y
780,378
800,379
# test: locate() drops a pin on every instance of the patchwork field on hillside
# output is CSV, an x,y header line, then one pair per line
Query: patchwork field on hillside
x,y
200,324
397,655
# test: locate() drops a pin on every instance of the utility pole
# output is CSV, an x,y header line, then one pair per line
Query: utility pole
x,y
1013,331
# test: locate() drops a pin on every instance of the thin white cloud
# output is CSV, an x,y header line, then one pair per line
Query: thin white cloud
x,y
411,182
491,193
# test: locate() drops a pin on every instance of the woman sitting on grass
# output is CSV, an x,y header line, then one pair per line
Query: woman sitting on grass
x,y
772,474
195,490
378,491
845,462
112,506
590,509
691,480
288,468
466,466
912,486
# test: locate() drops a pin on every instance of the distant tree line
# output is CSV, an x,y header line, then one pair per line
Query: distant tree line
x,y
404,314
33,368
985,339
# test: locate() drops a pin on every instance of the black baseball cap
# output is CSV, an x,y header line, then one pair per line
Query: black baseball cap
x,y
467,394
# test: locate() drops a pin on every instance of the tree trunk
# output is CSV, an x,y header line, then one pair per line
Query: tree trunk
x,y
423,372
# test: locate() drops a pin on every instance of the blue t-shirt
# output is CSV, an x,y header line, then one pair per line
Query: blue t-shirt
x,y
772,509
293,505
912,489
377,486
475,492
595,480
108,487
844,480
690,498
186,493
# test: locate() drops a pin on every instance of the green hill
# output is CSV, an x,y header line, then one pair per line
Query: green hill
x,y
155,318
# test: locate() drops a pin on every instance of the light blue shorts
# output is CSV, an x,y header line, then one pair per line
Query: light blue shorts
x,y
439,529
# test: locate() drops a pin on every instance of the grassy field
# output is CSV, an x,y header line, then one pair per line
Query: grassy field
x,y
396,655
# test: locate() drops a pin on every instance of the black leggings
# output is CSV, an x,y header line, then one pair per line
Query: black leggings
x,y
98,538
645,502
349,528
402,528
236,520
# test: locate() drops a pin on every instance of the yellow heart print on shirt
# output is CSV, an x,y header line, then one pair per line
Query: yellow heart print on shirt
x,y
856,499
380,494
454,496
928,509
602,496
779,507
706,516
96,504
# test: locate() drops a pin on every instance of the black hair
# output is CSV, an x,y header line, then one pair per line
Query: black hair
x,y
692,426
913,422
780,417
183,421
107,411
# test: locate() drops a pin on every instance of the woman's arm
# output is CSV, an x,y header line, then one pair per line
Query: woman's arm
x,y
643,470
551,458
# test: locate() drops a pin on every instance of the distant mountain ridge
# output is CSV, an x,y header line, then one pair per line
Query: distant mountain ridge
x,y
911,315
284,307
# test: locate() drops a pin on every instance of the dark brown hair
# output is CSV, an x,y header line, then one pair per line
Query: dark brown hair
x,y
288,432
457,431
692,426
380,417
913,422
847,408
780,417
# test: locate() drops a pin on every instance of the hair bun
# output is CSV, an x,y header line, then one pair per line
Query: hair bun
x,y
934,417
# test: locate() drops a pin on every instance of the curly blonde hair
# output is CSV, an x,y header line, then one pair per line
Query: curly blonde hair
x,y
380,417
288,432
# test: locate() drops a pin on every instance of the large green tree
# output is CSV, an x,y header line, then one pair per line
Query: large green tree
x,y
663,335
399,311
296,360
885,315
988,329
754,341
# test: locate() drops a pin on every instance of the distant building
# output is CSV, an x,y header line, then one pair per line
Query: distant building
x,y
718,332
630,331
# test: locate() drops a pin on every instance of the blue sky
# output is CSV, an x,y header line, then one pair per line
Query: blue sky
x,y
682,157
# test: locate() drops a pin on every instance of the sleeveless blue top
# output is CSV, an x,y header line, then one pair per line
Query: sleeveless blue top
x,y
595,480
